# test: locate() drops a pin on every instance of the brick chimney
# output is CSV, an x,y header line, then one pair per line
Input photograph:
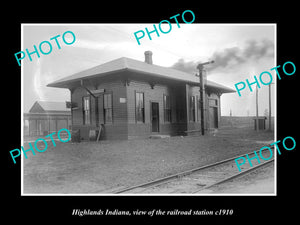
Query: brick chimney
x,y
148,57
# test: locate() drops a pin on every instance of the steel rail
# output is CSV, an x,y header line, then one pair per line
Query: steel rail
x,y
181,174
241,174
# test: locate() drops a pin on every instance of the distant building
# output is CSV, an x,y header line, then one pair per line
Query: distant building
x,y
46,117
131,99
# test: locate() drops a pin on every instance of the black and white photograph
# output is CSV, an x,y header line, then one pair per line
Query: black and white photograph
x,y
160,118
156,115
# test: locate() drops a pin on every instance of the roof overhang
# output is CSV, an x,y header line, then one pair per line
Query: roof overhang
x,y
123,66
63,83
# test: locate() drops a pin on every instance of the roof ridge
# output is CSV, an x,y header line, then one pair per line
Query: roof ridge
x,y
48,101
51,105
164,67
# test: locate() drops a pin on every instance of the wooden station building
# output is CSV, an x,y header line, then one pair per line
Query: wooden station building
x,y
131,98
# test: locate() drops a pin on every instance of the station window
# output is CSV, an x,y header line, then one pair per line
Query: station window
x,y
167,109
139,107
107,107
86,101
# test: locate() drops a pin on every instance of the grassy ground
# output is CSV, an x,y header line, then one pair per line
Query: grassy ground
x,y
91,167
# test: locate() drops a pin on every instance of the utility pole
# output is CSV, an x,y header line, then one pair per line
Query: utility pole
x,y
230,117
270,107
200,67
257,109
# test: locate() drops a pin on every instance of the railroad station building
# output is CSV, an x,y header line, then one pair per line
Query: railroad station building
x,y
131,98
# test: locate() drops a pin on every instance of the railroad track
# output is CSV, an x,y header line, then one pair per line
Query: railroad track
x,y
197,179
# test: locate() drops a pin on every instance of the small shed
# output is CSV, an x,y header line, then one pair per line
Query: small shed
x,y
261,122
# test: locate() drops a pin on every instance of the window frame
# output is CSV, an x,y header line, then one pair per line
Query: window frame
x,y
142,108
107,108
167,108
192,109
84,111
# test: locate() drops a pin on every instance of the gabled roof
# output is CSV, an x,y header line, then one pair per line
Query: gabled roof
x,y
124,63
48,107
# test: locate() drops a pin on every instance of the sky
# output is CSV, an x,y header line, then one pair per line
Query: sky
x,y
240,51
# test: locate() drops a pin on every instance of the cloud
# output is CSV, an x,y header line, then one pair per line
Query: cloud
x,y
230,57
189,67
41,79
88,44
253,50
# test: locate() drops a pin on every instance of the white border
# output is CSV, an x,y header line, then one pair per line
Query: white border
x,y
223,194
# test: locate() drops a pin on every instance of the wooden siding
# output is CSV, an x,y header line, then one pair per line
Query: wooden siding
x,y
77,118
124,125
217,98
196,125
115,130
152,95
193,91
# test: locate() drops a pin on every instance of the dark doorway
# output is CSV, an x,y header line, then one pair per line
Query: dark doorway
x,y
213,117
155,116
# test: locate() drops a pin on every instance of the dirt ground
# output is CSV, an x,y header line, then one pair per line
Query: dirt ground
x,y
90,167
